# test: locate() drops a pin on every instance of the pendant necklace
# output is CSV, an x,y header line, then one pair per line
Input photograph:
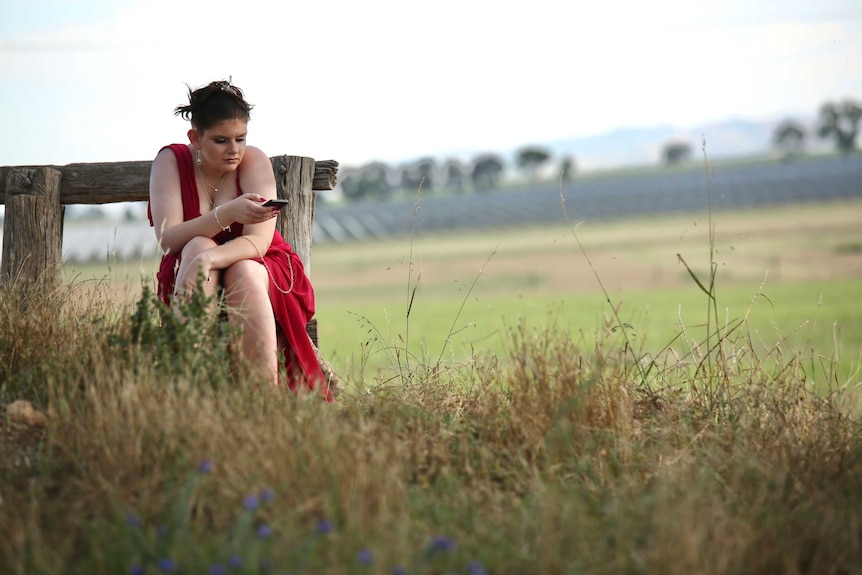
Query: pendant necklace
x,y
215,188
212,198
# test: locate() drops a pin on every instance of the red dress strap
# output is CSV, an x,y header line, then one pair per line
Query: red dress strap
x,y
188,184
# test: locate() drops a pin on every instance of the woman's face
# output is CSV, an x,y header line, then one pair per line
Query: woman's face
x,y
223,145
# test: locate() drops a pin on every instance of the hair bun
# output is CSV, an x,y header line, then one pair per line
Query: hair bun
x,y
217,101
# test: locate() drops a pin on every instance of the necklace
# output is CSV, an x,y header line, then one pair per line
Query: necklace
x,y
215,188
212,198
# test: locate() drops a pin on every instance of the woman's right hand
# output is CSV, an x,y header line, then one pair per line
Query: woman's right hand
x,y
201,265
246,209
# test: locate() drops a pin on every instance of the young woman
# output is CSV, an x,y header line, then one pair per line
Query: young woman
x,y
207,208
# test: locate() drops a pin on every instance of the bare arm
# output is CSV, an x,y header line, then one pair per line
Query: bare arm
x,y
258,184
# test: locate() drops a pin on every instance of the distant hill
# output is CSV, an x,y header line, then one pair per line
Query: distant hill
x,y
731,138
627,146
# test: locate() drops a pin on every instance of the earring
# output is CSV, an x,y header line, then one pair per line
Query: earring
x,y
198,160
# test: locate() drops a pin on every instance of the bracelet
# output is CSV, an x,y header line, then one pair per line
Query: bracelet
x,y
215,213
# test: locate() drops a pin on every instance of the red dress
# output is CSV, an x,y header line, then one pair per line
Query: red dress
x,y
292,310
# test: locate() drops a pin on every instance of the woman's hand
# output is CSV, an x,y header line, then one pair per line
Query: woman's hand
x,y
246,209
202,264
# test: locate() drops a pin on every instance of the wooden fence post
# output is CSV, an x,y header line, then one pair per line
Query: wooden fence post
x,y
33,228
294,176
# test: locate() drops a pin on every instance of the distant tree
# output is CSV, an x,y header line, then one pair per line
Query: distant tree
x,y
349,184
567,169
455,176
789,138
370,182
374,181
530,159
486,173
840,121
675,152
419,173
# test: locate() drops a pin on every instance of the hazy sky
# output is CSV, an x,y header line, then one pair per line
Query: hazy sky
x,y
394,80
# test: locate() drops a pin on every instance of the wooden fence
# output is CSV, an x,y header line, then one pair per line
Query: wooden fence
x,y
35,195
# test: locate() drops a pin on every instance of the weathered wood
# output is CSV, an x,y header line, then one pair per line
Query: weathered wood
x,y
113,182
33,226
325,175
293,178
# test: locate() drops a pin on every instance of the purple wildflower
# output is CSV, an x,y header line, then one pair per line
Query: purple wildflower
x,y
399,570
132,520
205,467
235,561
365,557
218,569
264,531
324,527
441,544
476,568
251,502
136,570
267,495
166,565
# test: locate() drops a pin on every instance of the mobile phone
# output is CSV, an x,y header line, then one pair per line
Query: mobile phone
x,y
276,203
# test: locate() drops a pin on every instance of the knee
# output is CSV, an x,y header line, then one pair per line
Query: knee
x,y
246,278
197,245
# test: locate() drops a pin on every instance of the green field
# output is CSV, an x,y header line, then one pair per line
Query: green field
x,y
817,319
794,272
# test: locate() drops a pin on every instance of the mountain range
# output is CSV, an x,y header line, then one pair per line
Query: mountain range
x,y
643,145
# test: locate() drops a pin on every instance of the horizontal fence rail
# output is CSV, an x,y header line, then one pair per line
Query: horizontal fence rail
x,y
116,182
34,197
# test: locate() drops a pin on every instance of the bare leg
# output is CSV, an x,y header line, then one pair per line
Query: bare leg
x,y
249,308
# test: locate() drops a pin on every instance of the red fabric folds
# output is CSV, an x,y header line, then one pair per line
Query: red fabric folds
x,y
292,310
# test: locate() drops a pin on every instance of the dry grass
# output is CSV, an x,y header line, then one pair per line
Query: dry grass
x,y
553,458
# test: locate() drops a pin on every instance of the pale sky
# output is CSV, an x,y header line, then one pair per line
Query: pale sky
x,y
355,81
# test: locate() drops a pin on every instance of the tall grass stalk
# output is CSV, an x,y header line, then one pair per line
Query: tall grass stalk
x,y
623,327
411,286
396,347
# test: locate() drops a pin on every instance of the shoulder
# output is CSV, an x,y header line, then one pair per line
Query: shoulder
x,y
165,164
256,170
167,155
254,154
255,161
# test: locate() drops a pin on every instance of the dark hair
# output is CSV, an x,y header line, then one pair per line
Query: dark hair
x,y
216,102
